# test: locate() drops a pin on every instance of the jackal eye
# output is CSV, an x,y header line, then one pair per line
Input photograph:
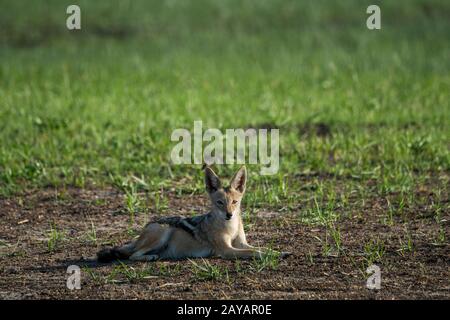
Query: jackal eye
x,y
220,202
234,201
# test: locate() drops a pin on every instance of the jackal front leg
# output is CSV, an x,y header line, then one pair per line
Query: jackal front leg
x,y
240,242
235,253
227,251
141,256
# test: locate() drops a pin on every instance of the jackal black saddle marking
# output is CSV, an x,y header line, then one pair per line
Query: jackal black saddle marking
x,y
189,225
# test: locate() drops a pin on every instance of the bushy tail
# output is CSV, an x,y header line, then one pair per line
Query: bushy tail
x,y
116,253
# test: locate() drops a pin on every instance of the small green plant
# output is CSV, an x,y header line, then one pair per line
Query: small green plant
x,y
374,251
130,273
394,210
441,238
322,214
389,219
54,238
167,270
270,259
336,236
96,277
283,187
419,145
92,234
327,249
160,202
205,271
406,245
132,202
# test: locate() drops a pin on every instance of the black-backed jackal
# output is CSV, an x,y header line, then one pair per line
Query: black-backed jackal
x,y
217,233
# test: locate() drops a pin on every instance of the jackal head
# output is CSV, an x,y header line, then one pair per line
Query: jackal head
x,y
226,201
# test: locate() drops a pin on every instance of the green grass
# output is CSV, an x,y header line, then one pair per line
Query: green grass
x,y
91,234
206,271
55,237
130,273
96,108
270,259
132,203
406,244
441,237
374,251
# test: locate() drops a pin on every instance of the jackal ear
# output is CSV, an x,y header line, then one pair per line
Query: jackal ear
x,y
239,180
212,181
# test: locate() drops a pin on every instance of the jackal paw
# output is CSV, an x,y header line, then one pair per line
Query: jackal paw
x,y
150,257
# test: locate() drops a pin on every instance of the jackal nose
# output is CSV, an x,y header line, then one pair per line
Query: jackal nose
x,y
229,215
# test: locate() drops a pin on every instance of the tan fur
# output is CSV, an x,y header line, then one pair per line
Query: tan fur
x,y
220,232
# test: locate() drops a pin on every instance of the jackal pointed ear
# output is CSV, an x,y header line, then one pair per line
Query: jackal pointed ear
x,y
212,181
239,180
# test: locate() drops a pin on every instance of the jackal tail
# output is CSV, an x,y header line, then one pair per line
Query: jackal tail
x,y
116,253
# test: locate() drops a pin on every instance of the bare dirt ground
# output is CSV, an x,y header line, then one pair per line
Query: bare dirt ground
x,y
30,270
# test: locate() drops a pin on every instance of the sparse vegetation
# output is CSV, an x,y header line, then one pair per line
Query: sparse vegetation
x,y
205,271
270,260
374,251
406,244
86,120
55,237
92,233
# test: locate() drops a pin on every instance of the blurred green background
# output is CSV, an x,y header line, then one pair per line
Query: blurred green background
x,y
92,107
